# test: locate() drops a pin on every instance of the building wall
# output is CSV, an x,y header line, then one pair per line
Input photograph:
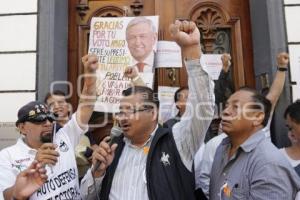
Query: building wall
x,y
275,28
33,56
292,19
18,61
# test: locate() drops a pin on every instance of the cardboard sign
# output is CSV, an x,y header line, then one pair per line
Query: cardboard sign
x,y
120,42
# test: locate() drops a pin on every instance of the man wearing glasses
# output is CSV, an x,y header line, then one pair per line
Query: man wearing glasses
x,y
148,161
39,143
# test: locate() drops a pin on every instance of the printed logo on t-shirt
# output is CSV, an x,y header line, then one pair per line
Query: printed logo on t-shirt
x,y
63,146
20,164
20,167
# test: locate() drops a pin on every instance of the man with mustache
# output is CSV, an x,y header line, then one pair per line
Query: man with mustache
x,y
151,162
56,151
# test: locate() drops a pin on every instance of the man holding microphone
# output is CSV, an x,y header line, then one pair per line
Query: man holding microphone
x,y
56,152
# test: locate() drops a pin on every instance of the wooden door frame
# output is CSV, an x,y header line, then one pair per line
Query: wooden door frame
x,y
80,16
222,19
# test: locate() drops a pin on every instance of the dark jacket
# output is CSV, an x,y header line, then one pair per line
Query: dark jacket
x,y
170,123
165,180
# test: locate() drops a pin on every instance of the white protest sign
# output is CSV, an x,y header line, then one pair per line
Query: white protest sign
x,y
167,107
120,42
168,55
212,64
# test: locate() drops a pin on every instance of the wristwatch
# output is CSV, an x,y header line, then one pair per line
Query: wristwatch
x,y
282,69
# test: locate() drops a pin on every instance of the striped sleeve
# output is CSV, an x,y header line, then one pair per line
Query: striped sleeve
x,y
87,186
190,132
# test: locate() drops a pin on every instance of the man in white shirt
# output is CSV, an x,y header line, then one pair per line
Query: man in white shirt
x,y
38,143
151,162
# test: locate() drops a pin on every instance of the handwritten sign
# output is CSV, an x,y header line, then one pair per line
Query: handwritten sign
x,y
110,42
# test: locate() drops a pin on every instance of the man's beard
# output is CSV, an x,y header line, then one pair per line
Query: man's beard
x,y
46,138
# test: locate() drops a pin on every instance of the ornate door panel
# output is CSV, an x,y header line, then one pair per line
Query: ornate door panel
x,y
224,26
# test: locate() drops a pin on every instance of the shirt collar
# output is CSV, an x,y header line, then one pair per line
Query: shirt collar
x,y
128,142
225,141
251,142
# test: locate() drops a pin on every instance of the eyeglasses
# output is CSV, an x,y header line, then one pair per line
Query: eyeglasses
x,y
133,38
132,111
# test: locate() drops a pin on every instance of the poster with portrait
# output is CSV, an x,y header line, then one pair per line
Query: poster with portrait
x,y
120,42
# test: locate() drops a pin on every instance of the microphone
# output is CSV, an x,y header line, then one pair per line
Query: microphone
x,y
52,140
115,132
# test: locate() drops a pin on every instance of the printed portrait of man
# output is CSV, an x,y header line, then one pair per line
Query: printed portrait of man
x,y
141,37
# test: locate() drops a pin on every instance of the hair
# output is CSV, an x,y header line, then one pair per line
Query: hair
x,y
176,95
55,92
259,98
140,20
293,110
148,94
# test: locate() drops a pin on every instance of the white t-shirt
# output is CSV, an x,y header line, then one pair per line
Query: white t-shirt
x,y
293,162
204,163
62,180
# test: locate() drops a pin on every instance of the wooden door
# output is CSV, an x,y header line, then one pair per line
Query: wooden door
x,y
224,25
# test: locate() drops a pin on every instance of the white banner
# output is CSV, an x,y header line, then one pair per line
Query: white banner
x,y
168,55
212,64
167,107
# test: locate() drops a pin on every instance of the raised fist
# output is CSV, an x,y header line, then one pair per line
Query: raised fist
x,y
226,61
131,72
90,63
185,33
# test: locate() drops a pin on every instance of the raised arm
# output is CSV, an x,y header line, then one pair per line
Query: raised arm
x,y
189,133
88,94
104,154
133,74
223,86
279,80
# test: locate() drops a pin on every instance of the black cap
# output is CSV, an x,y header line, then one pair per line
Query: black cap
x,y
34,111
